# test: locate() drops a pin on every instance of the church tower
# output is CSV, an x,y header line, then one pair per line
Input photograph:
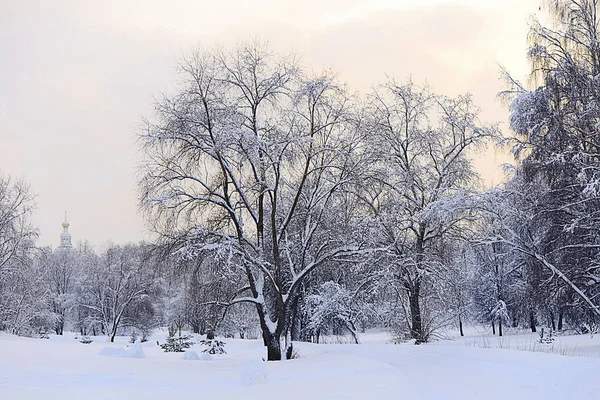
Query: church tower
x,y
65,236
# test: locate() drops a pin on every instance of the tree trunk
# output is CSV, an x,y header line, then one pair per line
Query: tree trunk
x,y
560,319
493,328
532,321
273,348
271,340
195,325
289,346
460,326
352,328
552,321
500,328
416,327
60,324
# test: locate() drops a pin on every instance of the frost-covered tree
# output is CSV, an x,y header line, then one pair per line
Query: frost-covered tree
x,y
456,285
332,304
25,301
117,282
16,231
422,177
60,271
23,294
175,311
557,145
246,159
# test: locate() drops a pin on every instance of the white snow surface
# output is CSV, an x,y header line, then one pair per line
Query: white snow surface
x,y
132,351
62,368
191,355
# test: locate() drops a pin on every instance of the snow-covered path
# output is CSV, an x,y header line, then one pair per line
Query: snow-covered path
x,y
62,368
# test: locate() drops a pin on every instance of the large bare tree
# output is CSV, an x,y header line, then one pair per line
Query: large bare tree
x,y
247,159
421,180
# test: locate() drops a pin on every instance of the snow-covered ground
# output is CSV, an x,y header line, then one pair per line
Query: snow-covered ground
x,y
63,368
525,340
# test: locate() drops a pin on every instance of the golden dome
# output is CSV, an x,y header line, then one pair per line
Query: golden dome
x,y
65,224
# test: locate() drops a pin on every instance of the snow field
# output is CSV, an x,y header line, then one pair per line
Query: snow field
x,y
62,368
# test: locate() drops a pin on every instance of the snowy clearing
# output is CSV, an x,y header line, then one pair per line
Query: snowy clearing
x,y
63,368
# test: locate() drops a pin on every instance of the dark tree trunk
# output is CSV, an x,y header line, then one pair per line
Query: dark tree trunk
x,y
493,328
416,326
295,320
560,319
195,325
553,323
500,328
59,326
460,326
270,339
352,328
273,348
532,321
289,352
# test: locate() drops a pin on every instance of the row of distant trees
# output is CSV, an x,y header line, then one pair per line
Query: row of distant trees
x,y
283,202
125,290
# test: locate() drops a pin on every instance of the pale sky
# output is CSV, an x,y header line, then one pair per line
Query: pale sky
x,y
77,77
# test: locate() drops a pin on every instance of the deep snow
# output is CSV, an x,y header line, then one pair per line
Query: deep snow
x,y
63,368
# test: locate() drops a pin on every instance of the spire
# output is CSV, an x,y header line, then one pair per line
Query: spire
x,y
65,236
66,224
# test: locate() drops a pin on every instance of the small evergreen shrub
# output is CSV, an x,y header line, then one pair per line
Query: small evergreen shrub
x,y
177,344
213,346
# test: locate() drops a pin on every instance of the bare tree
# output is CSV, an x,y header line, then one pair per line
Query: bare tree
x,y
247,158
61,270
422,180
554,196
16,230
116,283
22,292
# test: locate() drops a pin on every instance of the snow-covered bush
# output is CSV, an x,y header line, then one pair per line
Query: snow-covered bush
x,y
85,340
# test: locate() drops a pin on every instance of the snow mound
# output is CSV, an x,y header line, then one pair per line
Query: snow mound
x,y
190,355
134,351
205,357
255,373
